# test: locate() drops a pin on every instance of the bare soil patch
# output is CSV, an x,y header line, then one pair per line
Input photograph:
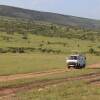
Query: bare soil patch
x,y
5,92
39,74
30,75
91,78
95,66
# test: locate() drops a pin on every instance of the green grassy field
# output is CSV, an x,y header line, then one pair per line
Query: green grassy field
x,y
37,61
64,45
44,55
45,48
66,74
25,63
67,91
71,90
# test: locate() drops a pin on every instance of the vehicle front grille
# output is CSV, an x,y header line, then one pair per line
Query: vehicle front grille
x,y
72,63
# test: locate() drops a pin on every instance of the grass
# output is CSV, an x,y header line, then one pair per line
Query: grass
x,y
55,43
56,92
14,63
37,60
67,91
25,63
20,82
72,90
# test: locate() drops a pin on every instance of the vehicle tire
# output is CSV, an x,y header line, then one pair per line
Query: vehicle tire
x,y
68,67
84,65
78,66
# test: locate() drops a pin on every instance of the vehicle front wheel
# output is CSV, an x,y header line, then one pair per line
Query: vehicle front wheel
x,y
69,67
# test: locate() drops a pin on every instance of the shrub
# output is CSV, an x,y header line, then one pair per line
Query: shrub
x,y
91,50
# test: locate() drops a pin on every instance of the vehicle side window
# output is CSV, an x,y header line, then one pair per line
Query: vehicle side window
x,y
81,58
78,58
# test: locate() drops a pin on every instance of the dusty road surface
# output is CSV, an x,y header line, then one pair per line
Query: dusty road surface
x,y
90,78
95,66
30,75
39,74
9,92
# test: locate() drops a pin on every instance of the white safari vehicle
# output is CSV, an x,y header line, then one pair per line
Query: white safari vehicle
x,y
76,61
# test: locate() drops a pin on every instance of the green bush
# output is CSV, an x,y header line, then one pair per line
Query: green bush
x,y
91,50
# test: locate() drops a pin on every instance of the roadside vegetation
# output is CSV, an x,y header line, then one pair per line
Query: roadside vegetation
x,y
54,86
38,62
74,90
40,87
28,46
24,36
26,81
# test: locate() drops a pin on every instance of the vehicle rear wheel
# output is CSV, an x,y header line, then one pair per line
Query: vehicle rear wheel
x,y
78,66
84,65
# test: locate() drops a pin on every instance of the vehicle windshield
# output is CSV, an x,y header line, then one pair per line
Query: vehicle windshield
x,y
73,58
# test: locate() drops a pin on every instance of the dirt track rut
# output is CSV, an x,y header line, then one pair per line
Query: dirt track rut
x,y
91,78
6,92
30,75
38,74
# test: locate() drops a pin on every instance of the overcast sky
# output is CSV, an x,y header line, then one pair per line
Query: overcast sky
x,y
81,8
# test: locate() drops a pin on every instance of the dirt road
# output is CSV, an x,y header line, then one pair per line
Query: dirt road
x,y
97,66
38,74
30,75
9,92
90,78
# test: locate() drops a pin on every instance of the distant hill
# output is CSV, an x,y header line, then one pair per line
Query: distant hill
x,y
14,12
